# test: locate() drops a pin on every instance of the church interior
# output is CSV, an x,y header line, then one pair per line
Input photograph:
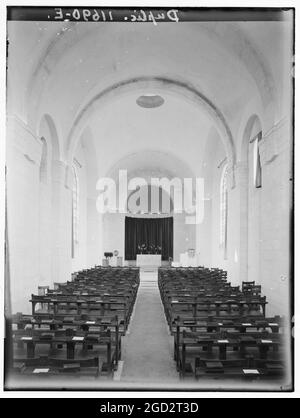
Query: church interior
x,y
149,296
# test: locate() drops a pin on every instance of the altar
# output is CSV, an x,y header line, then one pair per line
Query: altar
x,y
148,260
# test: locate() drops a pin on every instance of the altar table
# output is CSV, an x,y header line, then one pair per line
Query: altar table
x,y
148,260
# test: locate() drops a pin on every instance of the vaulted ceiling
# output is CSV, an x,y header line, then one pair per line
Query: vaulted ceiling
x,y
85,76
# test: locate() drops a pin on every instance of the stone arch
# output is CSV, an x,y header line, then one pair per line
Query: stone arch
x,y
232,37
177,87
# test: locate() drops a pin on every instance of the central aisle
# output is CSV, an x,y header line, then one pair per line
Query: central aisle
x,y
148,347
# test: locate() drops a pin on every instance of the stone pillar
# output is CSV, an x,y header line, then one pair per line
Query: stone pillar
x,y
234,223
275,151
241,176
61,222
204,234
45,232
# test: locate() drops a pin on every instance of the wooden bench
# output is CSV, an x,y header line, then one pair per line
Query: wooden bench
x,y
260,344
241,369
46,367
70,340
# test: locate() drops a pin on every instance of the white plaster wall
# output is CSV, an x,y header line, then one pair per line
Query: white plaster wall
x,y
61,223
45,232
80,248
184,236
23,157
94,249
276,234
207,231
204,235
217,253
39,223
113,234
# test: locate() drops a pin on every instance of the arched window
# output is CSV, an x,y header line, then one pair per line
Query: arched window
x,y
75,210
224,211
257,178
43,165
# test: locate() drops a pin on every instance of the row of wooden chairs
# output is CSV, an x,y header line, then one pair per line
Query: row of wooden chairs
x,y
96,292
220,330
199,293
77,326
234,329
226,345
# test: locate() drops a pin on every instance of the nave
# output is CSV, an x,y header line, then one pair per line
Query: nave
x,y
174,328
149,205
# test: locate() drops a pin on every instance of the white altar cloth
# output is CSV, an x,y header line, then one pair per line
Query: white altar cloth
x,y
148,260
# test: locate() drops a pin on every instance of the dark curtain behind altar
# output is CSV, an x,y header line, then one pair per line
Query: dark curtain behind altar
x,y
148,231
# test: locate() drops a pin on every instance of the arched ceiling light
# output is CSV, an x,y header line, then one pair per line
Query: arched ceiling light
x,y
150,101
